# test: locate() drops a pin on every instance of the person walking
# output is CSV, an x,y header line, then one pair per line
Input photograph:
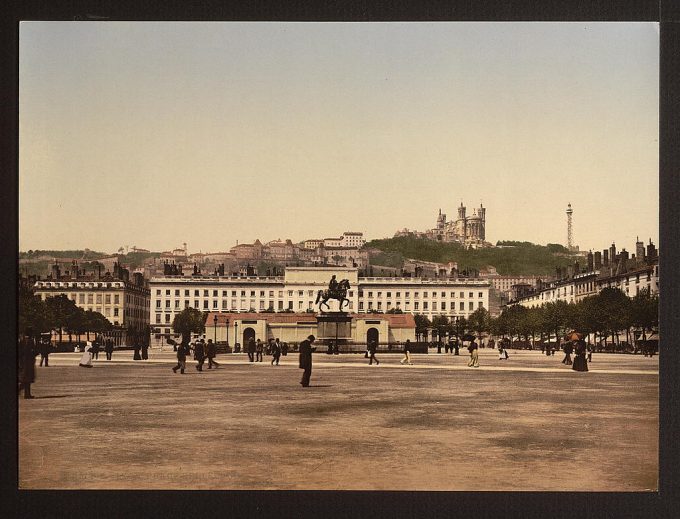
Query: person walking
x,y
456,347
26,364
306,359
580,363
372,348
95,349
108,349
502,352
182,352
284,348
145,350
199,354
86,359
589,349
474,355
45,352
568,349
251,349
211,353
258,351
276,351
137,348
407,353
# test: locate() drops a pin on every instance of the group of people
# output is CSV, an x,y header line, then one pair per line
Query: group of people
x,y
92,352
256,348
580,349
202,351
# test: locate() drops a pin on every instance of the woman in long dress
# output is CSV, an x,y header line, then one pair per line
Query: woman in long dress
x,y
86,359
580,362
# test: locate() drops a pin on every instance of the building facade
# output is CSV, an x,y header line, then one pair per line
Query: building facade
x,y
297,290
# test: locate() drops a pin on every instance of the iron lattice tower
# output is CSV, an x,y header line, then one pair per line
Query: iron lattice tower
x,y
570,237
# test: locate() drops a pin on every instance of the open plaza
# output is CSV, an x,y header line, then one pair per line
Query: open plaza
x,y
526,423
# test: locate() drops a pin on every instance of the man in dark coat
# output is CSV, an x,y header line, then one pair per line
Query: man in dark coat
x,y
199,354
275,348
306,359
372,348
145,350
182,352
568,349
45,347
26,360
258,351
251,349
211,352
108,348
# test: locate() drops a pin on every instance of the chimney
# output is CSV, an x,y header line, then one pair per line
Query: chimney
x,y
598,260
651,251
612,252
56,271
138,279
590,261
639,251
605,255
74,270
624,260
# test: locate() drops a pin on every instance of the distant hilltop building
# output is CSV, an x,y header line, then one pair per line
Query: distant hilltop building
x,y
466,230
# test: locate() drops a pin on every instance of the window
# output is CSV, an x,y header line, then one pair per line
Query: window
x,y
176,303
443,294
462,295
90,299
434,294
389,294
167,303
379,305
453,295
252,293
424,295
361,305
167,318
416,305
290,293
280,293
290,305
271,293
167,292
370,305
224,304
370,294
115,312
214,304
299,305
186,293
205,293
243,293
261,305
471,306
233,304
196,293
81,299
443,305
462,306
158,292
480,304
471,295
158,318
301,293
361,293
224,293
389,305
233,293
425,305
480,295
407,294
186,303
176,293
195,303
310,293
280,305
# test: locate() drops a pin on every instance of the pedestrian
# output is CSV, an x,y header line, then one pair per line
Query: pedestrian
x,y
446,346
502,352
182,352
145,350
372,348
284,348
258,351
95,348
589,349
251,349
276,351
45,347
211,353
580,363
86,359
407,353
474,355
439,346
136,348
108,349
568,349
456,347
306,359
26,364
199,354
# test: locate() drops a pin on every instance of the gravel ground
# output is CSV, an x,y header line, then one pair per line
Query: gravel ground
x,y
527,423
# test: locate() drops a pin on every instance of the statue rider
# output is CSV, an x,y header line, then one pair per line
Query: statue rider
x,y
333,285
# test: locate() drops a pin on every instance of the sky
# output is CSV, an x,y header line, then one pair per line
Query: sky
x,y
155,133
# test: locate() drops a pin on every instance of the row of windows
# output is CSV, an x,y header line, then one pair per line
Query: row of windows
x,y
310,293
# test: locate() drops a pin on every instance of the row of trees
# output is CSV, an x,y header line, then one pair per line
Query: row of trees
x,y
604,315
60,314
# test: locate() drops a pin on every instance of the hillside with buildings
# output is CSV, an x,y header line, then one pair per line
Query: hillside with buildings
x,y
508,258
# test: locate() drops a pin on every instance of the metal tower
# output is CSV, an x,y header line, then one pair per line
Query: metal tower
x,y
570,242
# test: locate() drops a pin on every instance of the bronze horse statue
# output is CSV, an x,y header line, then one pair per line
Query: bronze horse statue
x,y
340,294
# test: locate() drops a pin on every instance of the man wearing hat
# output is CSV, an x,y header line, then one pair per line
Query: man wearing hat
x,y
306,359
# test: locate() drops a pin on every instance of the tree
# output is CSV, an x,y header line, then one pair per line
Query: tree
x,y
188,321
460,327
422,324
63,312
440,324
34,315
479,321
395,310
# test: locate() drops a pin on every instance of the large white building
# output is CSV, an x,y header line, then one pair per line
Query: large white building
x,y
297,291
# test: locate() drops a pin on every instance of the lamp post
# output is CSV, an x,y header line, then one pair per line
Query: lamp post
x,y
235,334
215,321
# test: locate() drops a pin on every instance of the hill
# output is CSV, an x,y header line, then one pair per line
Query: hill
x,y
509,257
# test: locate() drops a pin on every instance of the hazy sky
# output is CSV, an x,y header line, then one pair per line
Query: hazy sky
x,y
153,134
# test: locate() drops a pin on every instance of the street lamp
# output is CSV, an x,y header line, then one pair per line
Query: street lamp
x,y
215,321
235,335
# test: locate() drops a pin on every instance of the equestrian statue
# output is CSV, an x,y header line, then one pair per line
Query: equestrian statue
x,y
336,290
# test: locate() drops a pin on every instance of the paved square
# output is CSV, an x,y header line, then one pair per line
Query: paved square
x,y
527,423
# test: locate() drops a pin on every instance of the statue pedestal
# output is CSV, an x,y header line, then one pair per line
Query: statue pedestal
x,y
333,329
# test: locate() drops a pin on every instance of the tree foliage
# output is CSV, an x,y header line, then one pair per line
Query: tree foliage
x,y
188,321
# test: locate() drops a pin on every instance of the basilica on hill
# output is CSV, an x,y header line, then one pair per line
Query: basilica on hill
x,y
466,230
